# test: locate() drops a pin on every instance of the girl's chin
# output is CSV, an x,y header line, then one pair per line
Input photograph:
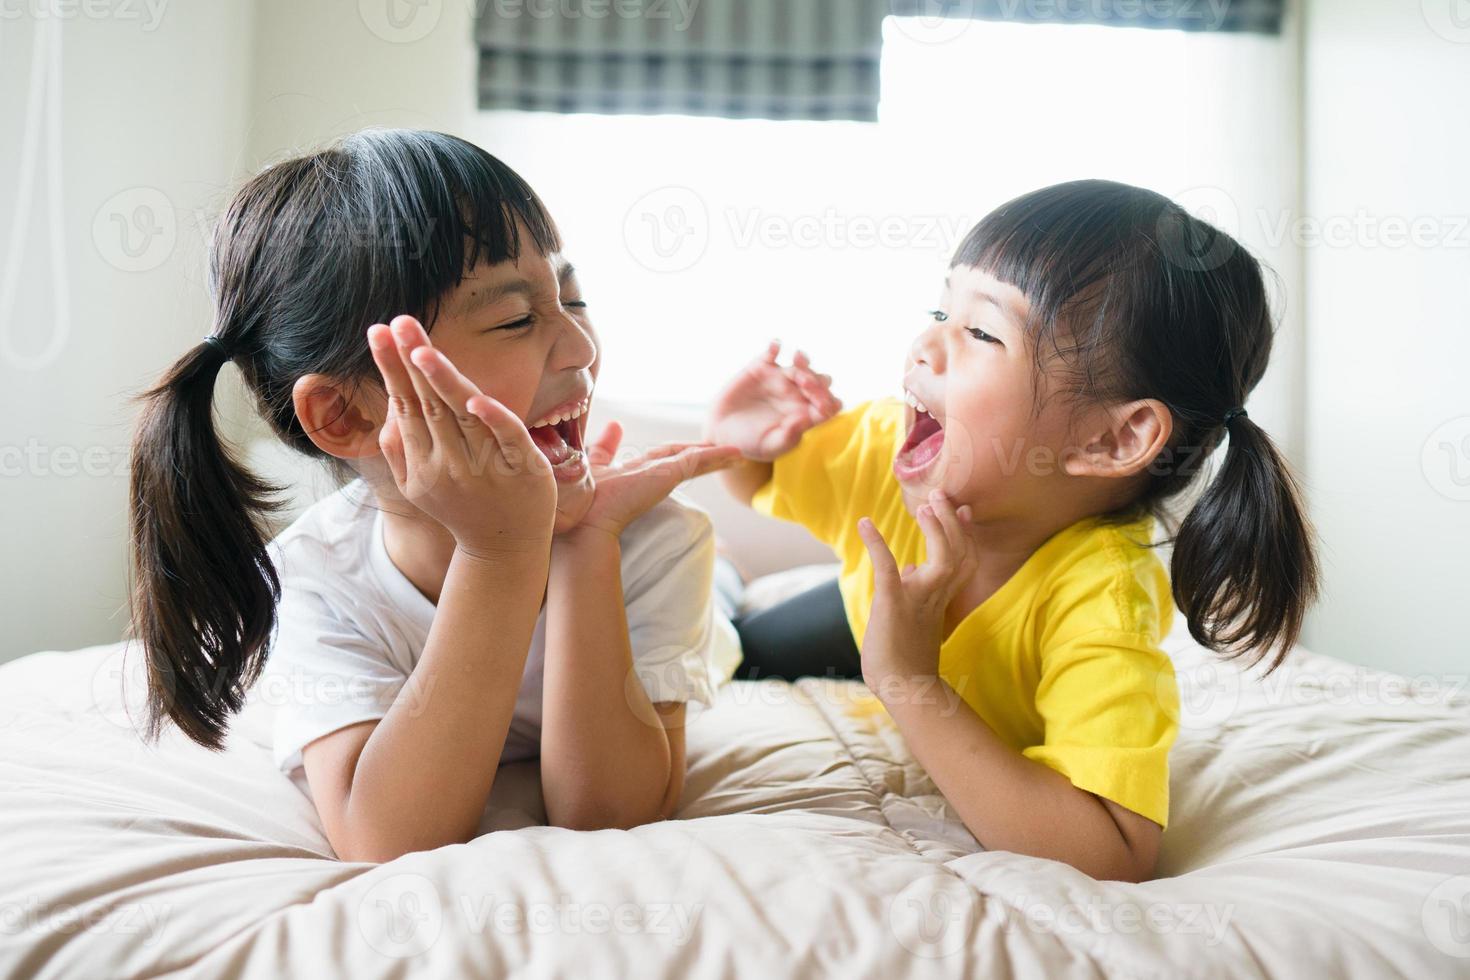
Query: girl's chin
x,y
919,481
573,500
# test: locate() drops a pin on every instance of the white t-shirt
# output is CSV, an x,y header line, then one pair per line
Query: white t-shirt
x,y
351,627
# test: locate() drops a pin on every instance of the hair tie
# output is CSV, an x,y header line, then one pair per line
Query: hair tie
x,y
219,345
1232,415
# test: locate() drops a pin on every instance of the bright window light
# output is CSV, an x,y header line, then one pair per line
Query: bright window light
x,y
697,239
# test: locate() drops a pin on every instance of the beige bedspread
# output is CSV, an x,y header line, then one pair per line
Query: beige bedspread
x,y
1320,827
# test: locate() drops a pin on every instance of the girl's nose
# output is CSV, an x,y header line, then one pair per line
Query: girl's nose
x,y
928,348
576,348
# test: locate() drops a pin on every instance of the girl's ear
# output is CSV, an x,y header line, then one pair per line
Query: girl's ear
x,y
335,417
1128,439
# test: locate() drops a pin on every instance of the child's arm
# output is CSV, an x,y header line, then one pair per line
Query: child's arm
x,y
609,757
371,781
764,411
443,741
1009,802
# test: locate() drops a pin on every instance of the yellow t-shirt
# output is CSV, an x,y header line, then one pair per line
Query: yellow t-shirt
x,y
1063,662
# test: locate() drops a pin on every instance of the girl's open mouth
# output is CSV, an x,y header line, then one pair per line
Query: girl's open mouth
x,y
921,448
559,437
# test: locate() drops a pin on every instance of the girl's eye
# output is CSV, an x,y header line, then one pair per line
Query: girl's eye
x,y
979,334
575,304
520,324
939,315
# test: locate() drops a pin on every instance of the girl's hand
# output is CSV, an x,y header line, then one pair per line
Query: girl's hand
x,y
906,626
765,410
457,454
626,489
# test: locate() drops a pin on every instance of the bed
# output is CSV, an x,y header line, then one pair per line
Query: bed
x,y
1320,827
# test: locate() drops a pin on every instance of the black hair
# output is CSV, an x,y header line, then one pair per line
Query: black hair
x,y
1135,298
309,253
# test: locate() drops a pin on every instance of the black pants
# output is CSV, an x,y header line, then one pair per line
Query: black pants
x,y
805,636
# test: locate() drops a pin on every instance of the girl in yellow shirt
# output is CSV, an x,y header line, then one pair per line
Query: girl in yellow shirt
x,y
1092,345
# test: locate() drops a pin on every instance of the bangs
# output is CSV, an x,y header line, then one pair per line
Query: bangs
x,y
426,208
1075,251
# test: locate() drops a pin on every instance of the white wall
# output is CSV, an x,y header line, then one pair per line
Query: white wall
x,y
186,106
1388,329
164,106
147,131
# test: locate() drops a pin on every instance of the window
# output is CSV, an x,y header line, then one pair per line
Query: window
x,y
699,239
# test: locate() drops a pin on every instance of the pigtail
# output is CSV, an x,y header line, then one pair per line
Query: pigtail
x,y
1244,566
204,589
309,253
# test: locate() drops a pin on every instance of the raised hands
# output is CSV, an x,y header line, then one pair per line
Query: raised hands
x,y
765,410
907,623
457,454
627,488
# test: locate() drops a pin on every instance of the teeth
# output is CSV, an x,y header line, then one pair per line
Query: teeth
x,y
914,403
574,413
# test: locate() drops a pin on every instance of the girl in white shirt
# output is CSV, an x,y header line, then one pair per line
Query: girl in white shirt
x,y
486,586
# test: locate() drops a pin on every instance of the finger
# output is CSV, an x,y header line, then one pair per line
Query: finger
x,y
801,370
441,420
455,391
936,545
403,401
605,447
787,434
390,441
687,463
409,335
696,461
516,446
971,558
772,354
817,389
944,509
885,569
672,448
